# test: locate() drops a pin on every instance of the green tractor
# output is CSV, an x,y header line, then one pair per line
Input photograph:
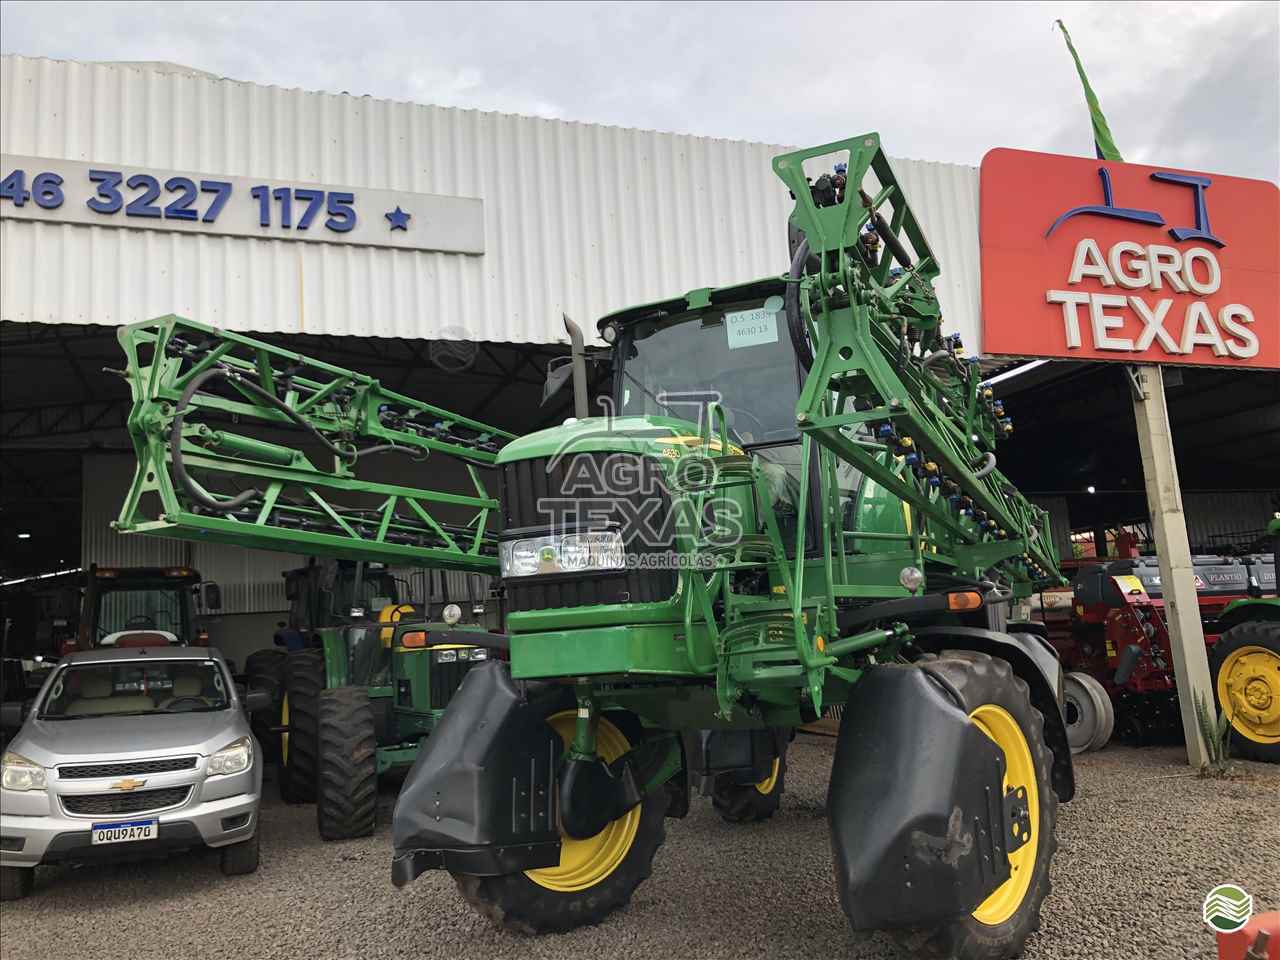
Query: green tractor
x,y
1245,660
359,675
790,506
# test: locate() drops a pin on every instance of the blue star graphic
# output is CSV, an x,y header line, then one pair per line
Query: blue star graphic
x,y
399,219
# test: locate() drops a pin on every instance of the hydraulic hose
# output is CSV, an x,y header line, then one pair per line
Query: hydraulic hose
x,y
989,464
791,303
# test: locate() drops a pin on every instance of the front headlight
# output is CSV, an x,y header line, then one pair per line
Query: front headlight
x,y
19,773
479,653
235,757
564,553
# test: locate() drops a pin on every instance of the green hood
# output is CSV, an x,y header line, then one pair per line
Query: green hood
x,y
652,435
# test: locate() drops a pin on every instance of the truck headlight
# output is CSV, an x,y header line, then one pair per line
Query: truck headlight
x,y
19,773
563,553
235,757
479,653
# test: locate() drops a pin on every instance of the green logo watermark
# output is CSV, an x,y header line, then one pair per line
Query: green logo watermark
x,y
1227,908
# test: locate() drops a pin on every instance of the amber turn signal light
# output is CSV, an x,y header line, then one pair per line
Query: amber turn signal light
x,y
415,638
964,600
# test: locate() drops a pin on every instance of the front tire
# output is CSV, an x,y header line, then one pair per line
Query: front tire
x,y
237,859
347,783
1000,705
751,802
16,882
264,670
1245,665
304,679
595,876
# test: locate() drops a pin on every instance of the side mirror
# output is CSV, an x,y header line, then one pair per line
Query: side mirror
x,y
211,596
256,700
12,714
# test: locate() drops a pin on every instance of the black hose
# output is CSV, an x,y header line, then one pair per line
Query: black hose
x,y
791,303
175,452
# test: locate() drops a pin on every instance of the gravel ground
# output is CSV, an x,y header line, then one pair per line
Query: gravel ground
x,y
1140,847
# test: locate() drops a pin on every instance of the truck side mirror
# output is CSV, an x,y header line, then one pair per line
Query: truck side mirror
x,y
256,700
559,370
12,713
211,596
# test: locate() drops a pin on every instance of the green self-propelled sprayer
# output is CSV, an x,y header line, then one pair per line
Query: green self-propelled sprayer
x,y
791,506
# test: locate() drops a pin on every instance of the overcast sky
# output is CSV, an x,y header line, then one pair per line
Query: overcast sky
x,y
1183,84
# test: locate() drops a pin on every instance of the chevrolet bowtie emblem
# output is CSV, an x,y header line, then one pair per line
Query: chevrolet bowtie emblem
x,y
128,783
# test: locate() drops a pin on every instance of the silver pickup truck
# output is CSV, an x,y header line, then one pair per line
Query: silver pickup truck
x,y
129,752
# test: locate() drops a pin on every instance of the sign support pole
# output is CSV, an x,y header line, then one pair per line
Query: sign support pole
x,y
1164,502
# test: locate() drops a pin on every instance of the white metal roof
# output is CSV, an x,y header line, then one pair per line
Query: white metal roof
x,y
578,218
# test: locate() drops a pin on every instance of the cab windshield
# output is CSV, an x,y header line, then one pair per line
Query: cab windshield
x,y
156,608
739,355
135,687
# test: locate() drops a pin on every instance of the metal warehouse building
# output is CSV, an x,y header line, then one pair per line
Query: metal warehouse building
x,y
439,250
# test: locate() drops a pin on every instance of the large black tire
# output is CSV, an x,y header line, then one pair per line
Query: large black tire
x,y
304,679
750,802
16,882
1245,666
978,680
239,858
264,670
519,904
347,786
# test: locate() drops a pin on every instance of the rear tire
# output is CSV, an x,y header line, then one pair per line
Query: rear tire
x,y
240,858
1245,666
16,882
264,670
750,802
347,785
594,881
998,929
304,679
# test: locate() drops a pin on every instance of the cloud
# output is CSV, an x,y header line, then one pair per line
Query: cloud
x,y
1191,85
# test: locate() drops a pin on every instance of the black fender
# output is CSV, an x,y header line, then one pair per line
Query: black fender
x,y
1036,664
480,798
915,805
1263,609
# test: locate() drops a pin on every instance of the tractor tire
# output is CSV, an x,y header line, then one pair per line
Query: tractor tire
x,y
750,802
1085,709
16,882
264,670
347,785
304,679
1245,666
596,877
1000,704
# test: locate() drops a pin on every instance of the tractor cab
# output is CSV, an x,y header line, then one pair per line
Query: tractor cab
x,y
143,607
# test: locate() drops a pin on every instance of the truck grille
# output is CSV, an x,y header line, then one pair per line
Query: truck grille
x,y
92,771
524,482
96,804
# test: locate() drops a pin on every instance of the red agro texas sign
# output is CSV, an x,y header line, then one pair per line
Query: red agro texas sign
x,y
1094,260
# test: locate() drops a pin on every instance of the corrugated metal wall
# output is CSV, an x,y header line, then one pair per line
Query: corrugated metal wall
x,y
579,218
1218,521
1060,520
250,579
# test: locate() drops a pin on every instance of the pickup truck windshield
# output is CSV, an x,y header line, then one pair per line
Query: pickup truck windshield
x,y
135,687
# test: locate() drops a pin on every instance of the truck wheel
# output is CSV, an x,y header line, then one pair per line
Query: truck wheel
x,y
303,681
750,802
595,876
999,704
238,858
1245,665
347,785
16,882
1085,710
264,670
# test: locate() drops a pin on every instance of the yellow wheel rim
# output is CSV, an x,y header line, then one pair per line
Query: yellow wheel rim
x,y
284,736
584,863
1249,691
766,785
998,724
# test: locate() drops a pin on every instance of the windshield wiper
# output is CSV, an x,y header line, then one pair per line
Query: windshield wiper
x,y
100,716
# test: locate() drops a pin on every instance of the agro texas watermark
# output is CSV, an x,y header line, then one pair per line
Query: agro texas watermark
x,y
631,493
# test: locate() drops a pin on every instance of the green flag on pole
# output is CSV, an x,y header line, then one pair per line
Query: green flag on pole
x,y
1106,147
